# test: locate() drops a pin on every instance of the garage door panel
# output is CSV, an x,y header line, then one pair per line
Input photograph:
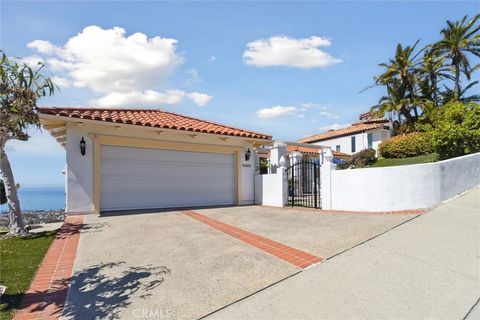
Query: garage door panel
x,y
136,178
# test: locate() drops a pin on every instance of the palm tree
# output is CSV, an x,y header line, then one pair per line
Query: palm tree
x,y
431,71
460,38
396,102
403,67
448,95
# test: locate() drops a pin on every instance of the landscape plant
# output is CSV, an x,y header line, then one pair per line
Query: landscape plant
x,y
418,80
21,86
409,145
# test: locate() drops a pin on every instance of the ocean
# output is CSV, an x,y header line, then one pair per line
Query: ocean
x,y
40,199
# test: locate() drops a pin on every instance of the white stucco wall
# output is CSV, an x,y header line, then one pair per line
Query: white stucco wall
x,y
79,187
361,141
400,187
270,189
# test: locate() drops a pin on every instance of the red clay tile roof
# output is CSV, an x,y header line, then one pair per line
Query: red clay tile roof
x,y
307,150
151,118
302,149
354,128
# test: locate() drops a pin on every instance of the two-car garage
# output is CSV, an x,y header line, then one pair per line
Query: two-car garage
x,y
142,178
133,159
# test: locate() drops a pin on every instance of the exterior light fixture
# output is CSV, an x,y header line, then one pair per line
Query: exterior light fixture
x,y
247,155
83,146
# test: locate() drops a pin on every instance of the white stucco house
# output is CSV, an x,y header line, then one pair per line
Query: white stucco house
x,y
369,132
120,159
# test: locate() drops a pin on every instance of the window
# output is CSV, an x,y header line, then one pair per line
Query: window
x,y
370,140
353,144
337,148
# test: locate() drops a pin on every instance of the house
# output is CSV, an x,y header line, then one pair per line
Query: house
x,y
369,132
309,152
120,159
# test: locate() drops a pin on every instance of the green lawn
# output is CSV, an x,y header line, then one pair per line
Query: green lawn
x,y
19,260
404,161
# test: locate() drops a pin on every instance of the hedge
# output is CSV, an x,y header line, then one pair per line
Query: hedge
x,y
410,145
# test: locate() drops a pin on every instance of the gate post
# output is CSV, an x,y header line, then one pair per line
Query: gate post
x,y
326,179
278,151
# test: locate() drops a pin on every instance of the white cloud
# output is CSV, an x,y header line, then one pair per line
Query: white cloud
x,y
334,126
275,112
62,82
31,61
116,66
212,58
42,46
200,99
284,51
328,115
150,98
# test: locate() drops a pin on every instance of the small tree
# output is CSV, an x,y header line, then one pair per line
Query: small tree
x,y
20,88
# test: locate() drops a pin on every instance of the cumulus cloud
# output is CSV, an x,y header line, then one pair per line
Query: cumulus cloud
x,y
120,68
334,126
150,98
284,51
275,112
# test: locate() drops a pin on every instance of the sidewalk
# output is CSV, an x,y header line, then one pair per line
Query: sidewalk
x,y
426,268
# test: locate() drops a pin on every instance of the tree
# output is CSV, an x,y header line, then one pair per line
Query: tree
x,y
396,102
20,88
460,38
404,68
431,72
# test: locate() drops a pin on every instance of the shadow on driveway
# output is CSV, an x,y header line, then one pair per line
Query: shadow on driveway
x,y
103,290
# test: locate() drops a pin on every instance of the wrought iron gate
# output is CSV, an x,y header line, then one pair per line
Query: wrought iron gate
x,y
304,184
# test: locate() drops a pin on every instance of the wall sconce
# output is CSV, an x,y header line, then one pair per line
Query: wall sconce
x,y
83,146
247,155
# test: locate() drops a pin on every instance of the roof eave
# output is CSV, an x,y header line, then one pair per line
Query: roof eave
x,y
58,118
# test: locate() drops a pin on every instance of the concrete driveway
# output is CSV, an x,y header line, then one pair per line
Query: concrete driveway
x,y
168,265
322,234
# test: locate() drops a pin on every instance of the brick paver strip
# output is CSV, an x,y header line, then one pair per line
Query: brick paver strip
x,y
46,296
294,256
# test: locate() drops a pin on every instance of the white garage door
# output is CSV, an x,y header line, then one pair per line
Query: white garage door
x,y
138,178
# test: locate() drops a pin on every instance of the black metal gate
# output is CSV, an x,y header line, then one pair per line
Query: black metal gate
x,y
304,184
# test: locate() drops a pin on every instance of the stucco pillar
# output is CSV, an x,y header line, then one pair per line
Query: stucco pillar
x,y
278,151
284,179
326,179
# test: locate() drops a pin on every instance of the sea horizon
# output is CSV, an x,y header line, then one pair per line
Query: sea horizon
x,y
39,198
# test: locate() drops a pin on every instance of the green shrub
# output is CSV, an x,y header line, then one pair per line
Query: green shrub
x,y
456,129
363,158
410,145
359,160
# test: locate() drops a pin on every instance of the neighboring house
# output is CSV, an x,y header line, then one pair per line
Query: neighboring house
x,y
313,153
368,133
120,159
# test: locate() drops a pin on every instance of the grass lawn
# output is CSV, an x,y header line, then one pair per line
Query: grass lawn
x,y
19,260
404,161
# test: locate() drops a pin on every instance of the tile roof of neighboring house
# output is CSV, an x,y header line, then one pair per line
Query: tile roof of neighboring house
x,y
307,150
151,118
354,128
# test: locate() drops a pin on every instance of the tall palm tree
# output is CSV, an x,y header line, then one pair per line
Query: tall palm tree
x,y
404,68
460,38
431,72
396,102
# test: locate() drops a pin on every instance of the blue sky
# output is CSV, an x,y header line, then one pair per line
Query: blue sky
x,y
210,69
